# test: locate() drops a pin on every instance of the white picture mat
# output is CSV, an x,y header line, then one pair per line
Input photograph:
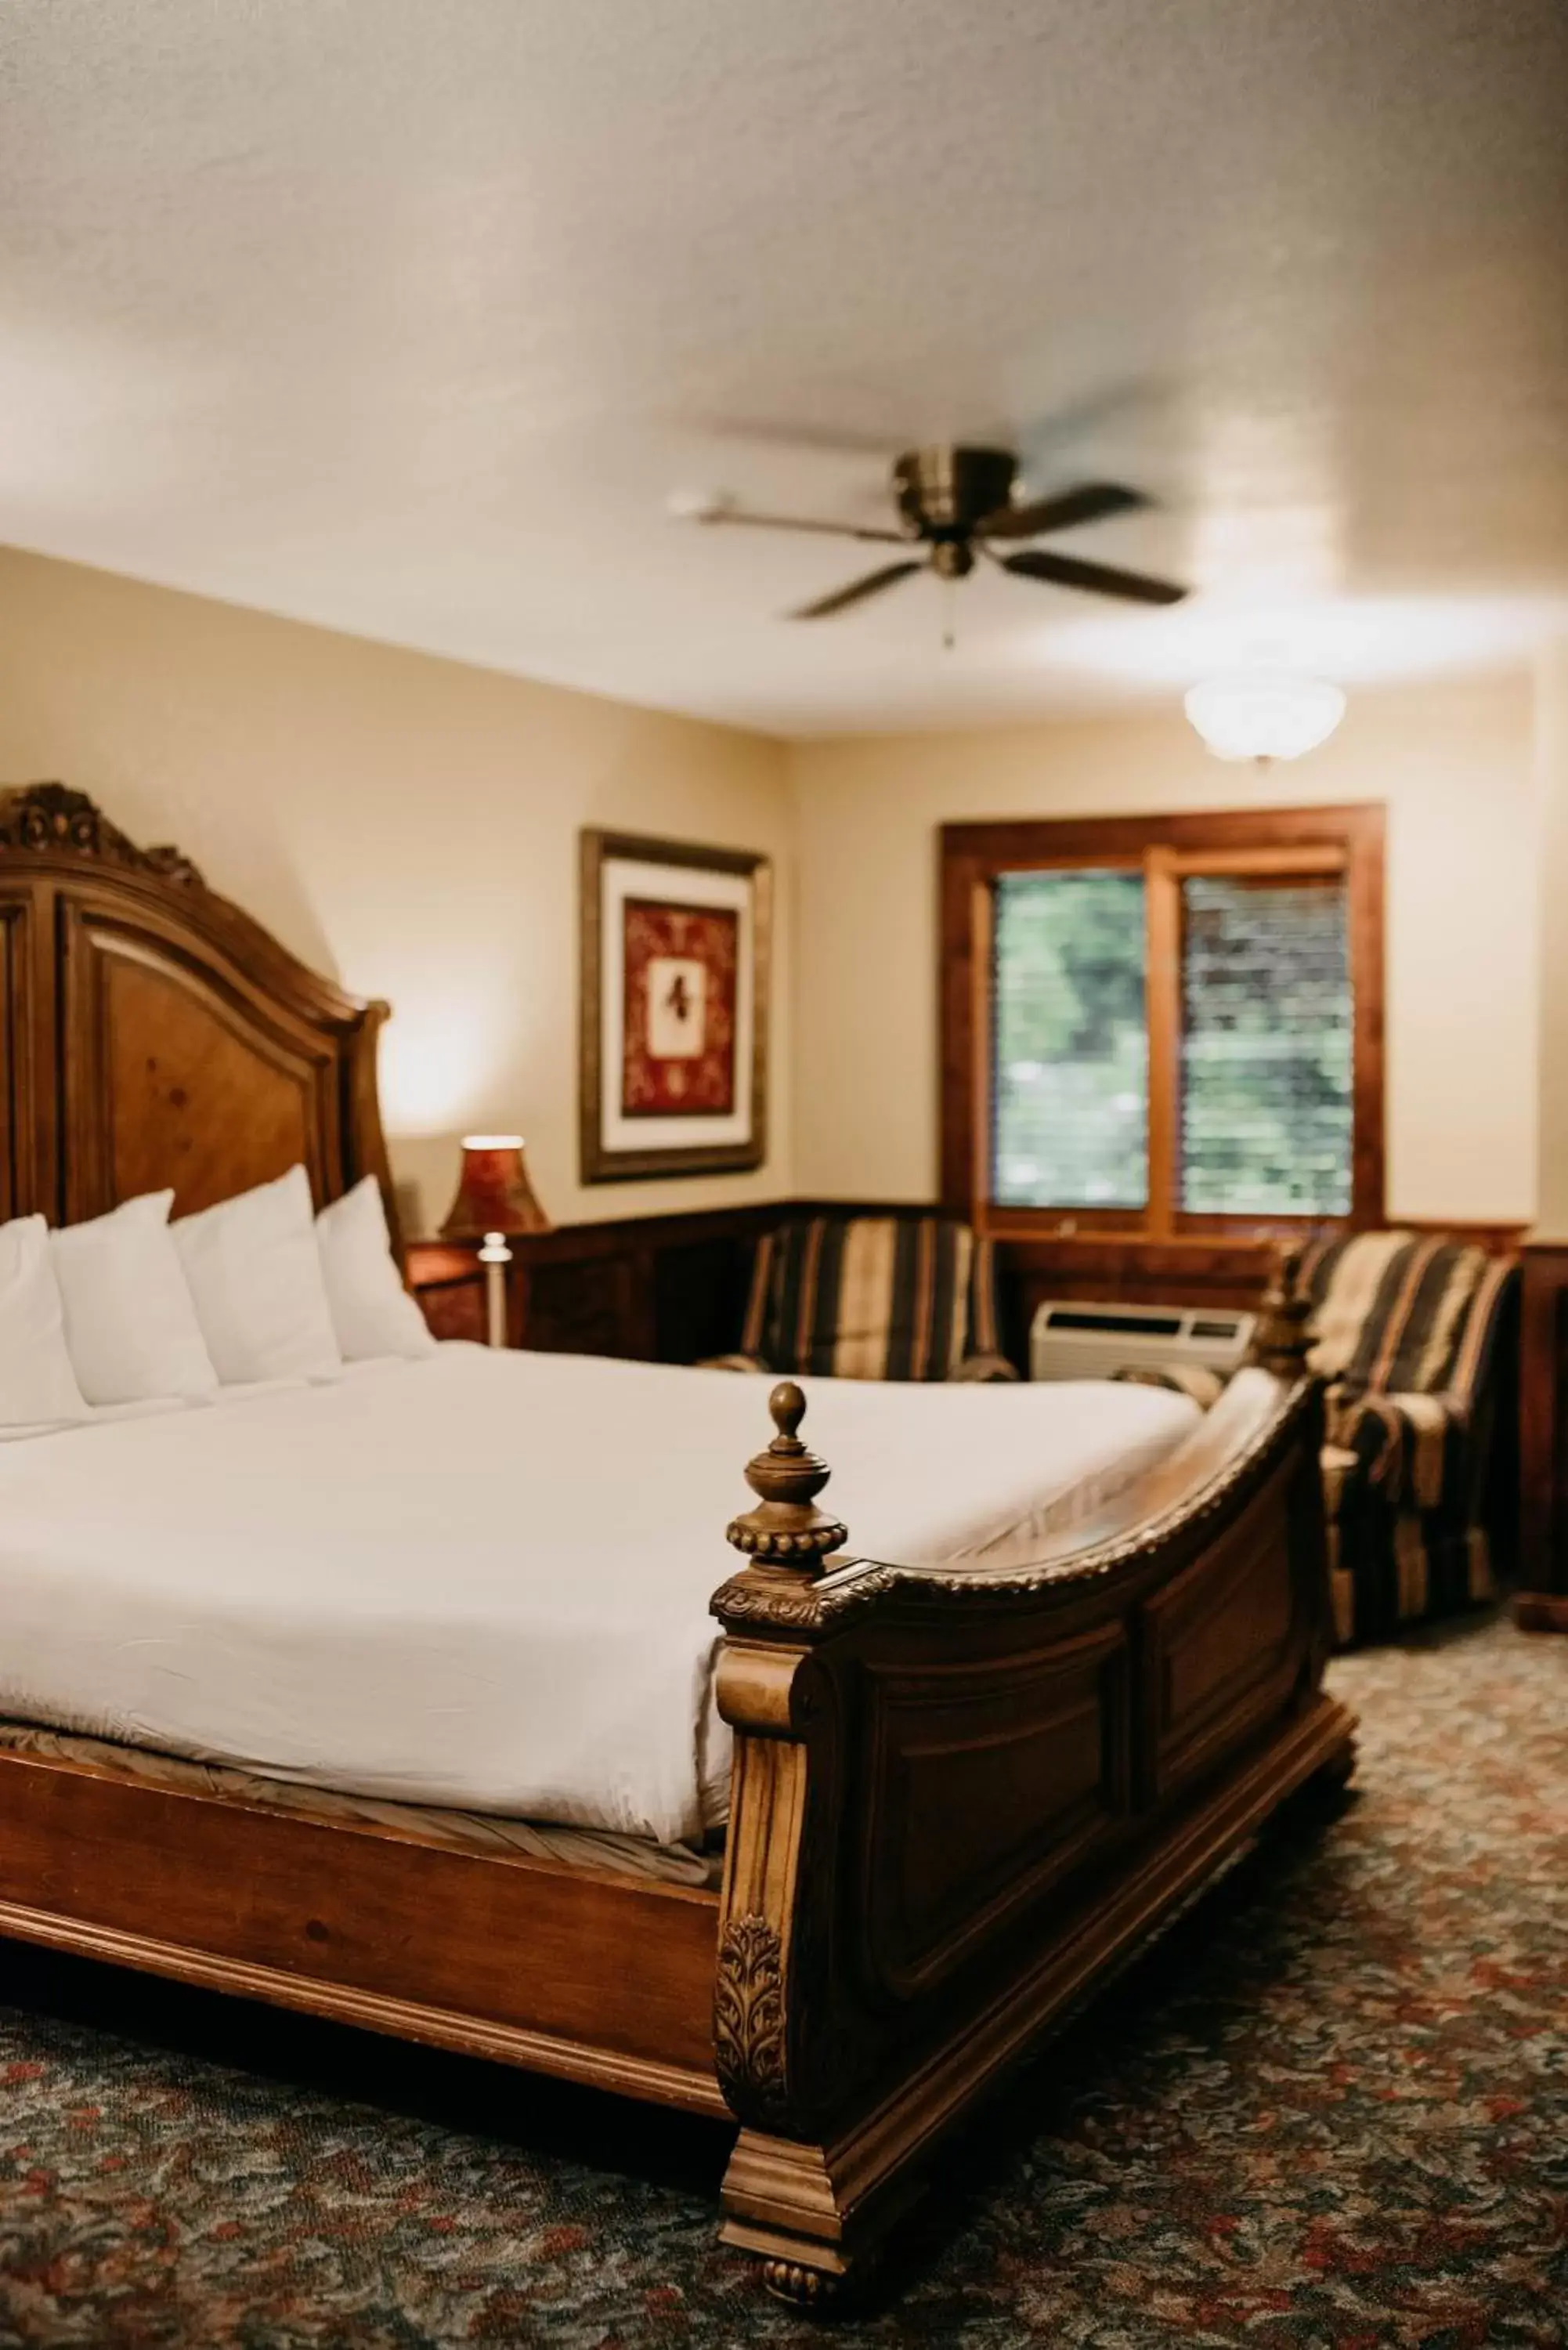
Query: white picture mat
x,y
621,877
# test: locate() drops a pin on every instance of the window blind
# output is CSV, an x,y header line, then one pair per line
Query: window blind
x,y
1266,1045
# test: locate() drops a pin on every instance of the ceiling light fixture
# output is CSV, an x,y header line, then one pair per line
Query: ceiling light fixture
x,y
1264,714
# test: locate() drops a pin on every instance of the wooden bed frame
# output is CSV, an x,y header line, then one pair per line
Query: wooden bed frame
x,y
958,1798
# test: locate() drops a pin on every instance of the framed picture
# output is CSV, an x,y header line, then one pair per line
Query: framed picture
x,y
675,945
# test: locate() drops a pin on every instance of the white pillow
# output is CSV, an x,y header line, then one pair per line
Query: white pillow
x,y
37,1386
130,1324
254,1274
372,1312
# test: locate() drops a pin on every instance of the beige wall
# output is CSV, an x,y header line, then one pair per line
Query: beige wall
x,y
410,824
1454,763
406,824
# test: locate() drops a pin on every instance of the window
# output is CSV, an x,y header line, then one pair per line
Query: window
x,y
1161,1026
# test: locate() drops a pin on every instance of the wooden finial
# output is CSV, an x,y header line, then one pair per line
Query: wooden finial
x,y
1282,1337
786,1527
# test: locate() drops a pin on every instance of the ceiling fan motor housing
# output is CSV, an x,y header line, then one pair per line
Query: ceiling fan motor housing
x,y
945,493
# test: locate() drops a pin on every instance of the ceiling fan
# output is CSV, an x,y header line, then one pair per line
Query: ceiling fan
x,y
954,504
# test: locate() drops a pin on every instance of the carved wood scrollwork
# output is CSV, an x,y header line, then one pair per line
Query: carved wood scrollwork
x,y
52,818
803,2287
747,1599
763,1602
748,2023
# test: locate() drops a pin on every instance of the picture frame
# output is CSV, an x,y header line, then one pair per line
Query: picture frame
x,y
676,943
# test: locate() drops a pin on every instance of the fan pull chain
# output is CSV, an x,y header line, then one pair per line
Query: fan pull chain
x,y
949,620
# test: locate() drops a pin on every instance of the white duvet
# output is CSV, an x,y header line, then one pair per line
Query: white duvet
x,y
482,1579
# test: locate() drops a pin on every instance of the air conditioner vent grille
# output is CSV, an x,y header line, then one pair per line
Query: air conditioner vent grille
x,y
1078,1341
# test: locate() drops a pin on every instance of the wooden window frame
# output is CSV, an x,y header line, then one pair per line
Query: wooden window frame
x,y
1346,839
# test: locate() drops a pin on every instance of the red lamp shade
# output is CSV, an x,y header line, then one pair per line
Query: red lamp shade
x,y
493,1194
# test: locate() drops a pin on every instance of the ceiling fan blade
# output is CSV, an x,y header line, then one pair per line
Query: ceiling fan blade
x,y
774,433
856,592
728,514
1090,502
1099,579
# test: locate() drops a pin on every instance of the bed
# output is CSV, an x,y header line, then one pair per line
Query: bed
x,y
956,1767
254,1585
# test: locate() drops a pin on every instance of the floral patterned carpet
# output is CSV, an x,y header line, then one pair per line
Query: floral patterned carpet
x,y
1330,2109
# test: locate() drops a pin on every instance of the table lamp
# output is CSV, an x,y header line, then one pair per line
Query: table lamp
x,y
494,1201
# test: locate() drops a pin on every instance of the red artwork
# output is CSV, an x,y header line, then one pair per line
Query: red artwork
x,y
678,1058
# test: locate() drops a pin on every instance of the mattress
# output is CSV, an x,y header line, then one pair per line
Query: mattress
x,y
481,1580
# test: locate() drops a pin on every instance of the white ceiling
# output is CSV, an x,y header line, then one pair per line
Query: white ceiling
x,y
407,316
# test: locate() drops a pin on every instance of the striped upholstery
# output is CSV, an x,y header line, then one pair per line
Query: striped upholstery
x,y
873,1297
1407,1332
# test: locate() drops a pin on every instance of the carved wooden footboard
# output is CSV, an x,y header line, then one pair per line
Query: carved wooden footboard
x,y
959,1797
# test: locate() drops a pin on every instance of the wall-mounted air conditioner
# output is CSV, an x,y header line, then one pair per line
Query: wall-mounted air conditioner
x,y
1073,1341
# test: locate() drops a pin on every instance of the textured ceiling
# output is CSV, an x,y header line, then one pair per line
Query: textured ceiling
x,y
409,318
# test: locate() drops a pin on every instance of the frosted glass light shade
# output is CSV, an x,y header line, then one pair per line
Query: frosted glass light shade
x,y
1264,714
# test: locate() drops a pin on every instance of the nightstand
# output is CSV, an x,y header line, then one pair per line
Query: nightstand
x,y
448,1279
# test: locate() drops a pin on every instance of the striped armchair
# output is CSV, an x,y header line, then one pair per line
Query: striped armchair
x,y
1409,1335
872,1297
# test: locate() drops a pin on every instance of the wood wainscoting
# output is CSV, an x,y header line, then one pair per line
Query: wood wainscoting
x,y
659,1289
1194,1270
673,1288
1110,1269
1542,1605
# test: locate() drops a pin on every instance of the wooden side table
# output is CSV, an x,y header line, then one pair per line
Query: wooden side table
x,y
448,1280
574,1291
656,1289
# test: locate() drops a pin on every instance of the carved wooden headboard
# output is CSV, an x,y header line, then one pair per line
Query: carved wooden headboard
x,y
155,1035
